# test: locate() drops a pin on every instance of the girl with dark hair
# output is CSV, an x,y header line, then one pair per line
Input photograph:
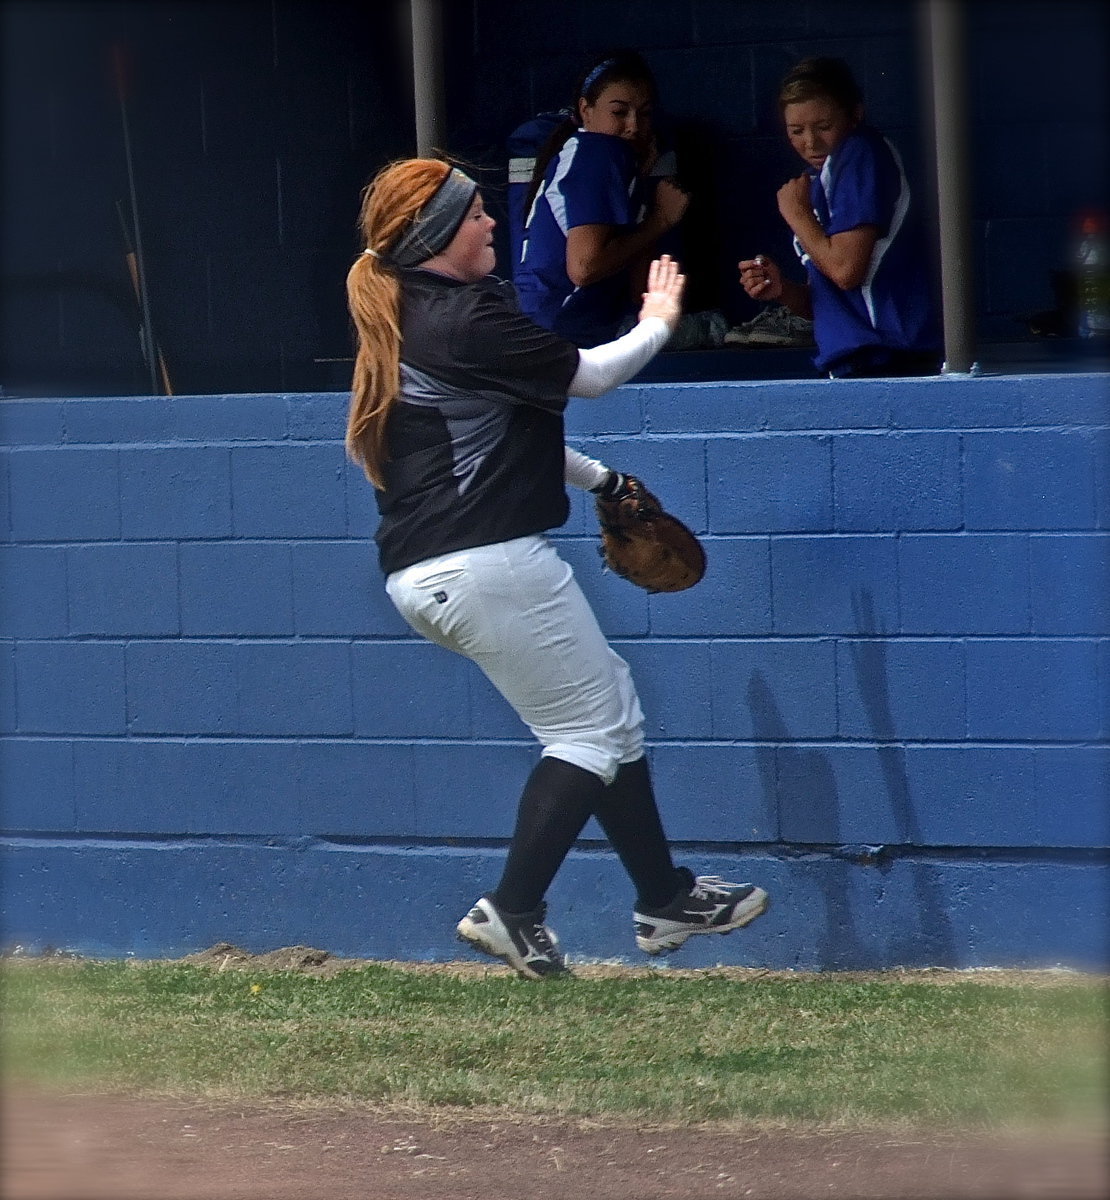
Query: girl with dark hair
x,y
592,218
868,285
457,418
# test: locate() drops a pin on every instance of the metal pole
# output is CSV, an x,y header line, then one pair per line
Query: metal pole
x,y
427,75
948,59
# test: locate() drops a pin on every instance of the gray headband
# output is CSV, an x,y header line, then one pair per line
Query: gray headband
x,y
436,223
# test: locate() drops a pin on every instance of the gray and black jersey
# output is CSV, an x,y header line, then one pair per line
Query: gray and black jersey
x,y
475,440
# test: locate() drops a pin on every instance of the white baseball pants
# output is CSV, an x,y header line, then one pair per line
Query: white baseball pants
x,y
517,611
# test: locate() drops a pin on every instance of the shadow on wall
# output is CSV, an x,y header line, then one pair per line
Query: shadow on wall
x,y
805,780
932,941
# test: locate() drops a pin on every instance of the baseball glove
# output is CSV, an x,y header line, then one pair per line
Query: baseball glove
x,y
645,544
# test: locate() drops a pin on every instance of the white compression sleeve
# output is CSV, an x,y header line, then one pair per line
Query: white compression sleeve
x,y
582,472
602,368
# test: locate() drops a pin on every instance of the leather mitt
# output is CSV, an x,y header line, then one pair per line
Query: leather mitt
x,y
644,544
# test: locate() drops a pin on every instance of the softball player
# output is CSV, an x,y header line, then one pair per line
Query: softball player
x,y
457,418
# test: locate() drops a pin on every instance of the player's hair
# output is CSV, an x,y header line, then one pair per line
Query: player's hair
x,y
821,78
390,202
622,66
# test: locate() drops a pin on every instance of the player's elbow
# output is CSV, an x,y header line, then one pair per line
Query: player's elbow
x,y
582,272
848,276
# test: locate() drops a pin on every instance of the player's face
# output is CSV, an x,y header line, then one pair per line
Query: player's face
x,y
621,110
470,254
817,127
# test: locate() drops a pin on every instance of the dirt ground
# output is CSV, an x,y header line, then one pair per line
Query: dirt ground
x,y
101,1147
119,1148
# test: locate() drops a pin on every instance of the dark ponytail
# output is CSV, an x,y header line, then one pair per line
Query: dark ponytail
x,y
622,66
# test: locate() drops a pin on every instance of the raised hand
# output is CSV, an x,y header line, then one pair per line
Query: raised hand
x,y
665,285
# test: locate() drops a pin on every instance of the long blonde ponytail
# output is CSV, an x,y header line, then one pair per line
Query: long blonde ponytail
x,y
389,205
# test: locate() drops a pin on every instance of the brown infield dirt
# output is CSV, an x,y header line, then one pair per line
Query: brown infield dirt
x,y
110,1147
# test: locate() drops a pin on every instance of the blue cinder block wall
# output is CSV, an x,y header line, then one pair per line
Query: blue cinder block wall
x,y
887,702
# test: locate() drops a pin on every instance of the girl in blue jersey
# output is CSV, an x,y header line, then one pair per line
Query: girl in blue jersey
x,y
868,288
593,217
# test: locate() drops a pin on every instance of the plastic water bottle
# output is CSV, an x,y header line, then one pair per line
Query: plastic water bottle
x,y
1093,270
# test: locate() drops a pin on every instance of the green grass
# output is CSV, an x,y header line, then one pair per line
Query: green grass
x,y
813,1050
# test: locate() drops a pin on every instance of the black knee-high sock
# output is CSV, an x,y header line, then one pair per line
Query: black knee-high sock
x,y
557,801
628,814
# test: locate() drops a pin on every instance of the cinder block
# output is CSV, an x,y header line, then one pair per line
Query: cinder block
x,y
1029,480
70,687
83,490
582,520
469,790
292,491
1068,933
250,787
33,592
123,589
134,786
621,608
115,420
248,418
733,600
236,587
955,402
1026,689
7,687
175,492
708,407
417,690
294,688
5,496
716,793
894,690
185,687
339,590
318,416
832,403
1101,440
832,794
1102,656
356,789
672,468
1073,787
897,481
953,584
774,690
36,786
673,681
1070,583
842,584
973,795
1073,399
491,715
617,412
362,509
770,483
31,422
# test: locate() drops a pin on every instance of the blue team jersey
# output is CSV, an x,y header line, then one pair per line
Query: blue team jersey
x,y
863,183
591,181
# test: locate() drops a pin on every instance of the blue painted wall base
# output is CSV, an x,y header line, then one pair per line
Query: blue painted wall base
x,y
402,902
